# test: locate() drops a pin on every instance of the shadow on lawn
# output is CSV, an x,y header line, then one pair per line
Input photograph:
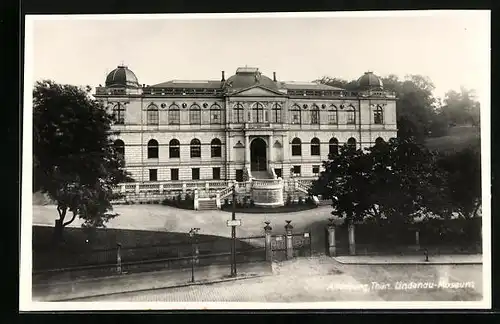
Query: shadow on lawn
x,y
84,247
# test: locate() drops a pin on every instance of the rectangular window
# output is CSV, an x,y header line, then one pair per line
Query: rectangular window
x,y
215,117
174,117
195,116
296,170
314,116
332,117
153,175
174,174
315,169
351,117
216,173
278,173
195,173
295,117
238,114
239,175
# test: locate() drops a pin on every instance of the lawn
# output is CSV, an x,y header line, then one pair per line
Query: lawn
x,y
458,137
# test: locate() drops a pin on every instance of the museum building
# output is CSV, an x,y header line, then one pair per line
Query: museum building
x,y
265,136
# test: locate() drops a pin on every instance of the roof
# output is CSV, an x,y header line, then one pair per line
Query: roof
x,y
294,85
122,77
201,84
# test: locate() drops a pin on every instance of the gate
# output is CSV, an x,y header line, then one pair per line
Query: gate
x,y
301,243
278,247
300,246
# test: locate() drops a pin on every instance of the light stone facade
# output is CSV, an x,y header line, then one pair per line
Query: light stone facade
x,y
237,111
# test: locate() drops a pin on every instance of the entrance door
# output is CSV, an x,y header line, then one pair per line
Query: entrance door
x,y
258,158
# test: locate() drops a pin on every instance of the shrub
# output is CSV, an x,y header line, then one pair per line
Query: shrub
x,y
301,201
288,200
252,203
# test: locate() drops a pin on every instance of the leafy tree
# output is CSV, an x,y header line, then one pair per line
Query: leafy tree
x,y
463,181
75,162
461,108
394,181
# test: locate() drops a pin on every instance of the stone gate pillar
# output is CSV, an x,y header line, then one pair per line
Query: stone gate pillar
x,y
330,228
267,232
352,239
288,240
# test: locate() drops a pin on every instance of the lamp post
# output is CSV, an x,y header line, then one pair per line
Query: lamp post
x,y
233,236
192,233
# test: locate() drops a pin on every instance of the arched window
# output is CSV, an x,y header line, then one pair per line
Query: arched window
x,y
314,114
258,112
379,141
153,115
351,143
174,150
332,115
333,146
119,146
215,114
315,146
238,113
215,148
295,114
195,114
174,115
378,115
195,148
351,115
296,147
152,149
119,113
276,113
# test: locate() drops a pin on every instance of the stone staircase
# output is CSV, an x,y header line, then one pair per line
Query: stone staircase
x,y
207,204
262,175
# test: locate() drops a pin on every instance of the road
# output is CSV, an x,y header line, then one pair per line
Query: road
x,y
321,279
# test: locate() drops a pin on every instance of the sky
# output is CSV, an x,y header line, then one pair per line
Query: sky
x,y
452,48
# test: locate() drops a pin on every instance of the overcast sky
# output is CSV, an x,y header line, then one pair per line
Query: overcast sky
x,y
451,48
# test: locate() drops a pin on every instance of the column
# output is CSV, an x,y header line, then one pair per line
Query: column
x,y
352,240
247,152
267,231
288,240
270,154
330,228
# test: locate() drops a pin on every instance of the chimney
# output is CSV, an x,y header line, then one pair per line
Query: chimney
x,y
274,76
223,77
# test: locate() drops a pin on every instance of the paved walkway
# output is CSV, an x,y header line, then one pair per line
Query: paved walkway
x,y
322,279
67,289
210,222
412,259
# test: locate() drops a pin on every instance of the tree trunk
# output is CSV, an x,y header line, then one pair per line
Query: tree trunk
x,y
59,225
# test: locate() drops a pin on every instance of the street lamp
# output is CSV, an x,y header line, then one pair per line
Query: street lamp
x,y
193,234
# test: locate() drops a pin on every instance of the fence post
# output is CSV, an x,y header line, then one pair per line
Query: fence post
x,y
417,239
207,186
122,188
267,232
184,187
352,239
118,258
217,200
289,240
332,250
137,190
161,188
196,202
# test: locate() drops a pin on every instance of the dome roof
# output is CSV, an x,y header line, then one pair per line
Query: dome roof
x,y
122,77
370,81
247,77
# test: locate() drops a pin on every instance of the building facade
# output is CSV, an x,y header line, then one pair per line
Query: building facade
x,y
246,127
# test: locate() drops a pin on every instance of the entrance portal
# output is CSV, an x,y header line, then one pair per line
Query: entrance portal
x,y
258,155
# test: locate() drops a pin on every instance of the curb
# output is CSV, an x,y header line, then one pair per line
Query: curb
x,y
408,263
197,283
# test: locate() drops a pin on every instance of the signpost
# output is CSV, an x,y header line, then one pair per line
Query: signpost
x,y
233,223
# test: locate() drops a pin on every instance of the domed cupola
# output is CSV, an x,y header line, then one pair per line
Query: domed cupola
x,y
370,81
121,77
247,77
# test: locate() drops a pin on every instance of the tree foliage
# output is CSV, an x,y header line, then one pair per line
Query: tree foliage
x,y
399,181
75,162
461,108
